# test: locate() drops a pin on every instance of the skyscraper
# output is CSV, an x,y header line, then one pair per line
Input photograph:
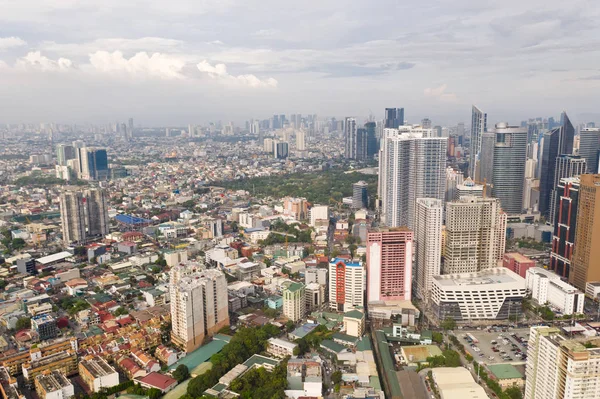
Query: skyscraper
x,y
565,222
389,264
372,142
350,138
360,195
361,149
586,257
475,235
394,117
426,124
510,155
484,172
64,152
428,237
346,284
84,215
411,165
557,142
294,301
566,166
300,140
478,127
589,148
199,304
281,150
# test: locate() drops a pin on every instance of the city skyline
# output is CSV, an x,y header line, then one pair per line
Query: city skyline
x,y
179,61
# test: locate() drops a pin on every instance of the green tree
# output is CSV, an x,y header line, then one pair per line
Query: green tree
x,y
448,324
289,325
17,244
181,373
23,323
154,393
336,377
513,392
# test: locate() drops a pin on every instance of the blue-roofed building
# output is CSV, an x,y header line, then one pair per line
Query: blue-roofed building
x,y
132,220
302,331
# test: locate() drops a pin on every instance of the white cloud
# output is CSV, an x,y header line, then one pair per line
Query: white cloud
x,y
35,60
219,71
158,65
11,42
440,93
149,44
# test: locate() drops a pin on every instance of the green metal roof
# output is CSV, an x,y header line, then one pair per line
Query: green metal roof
x,y
332,346
260,360
388,364
344,337
504,371
354,314
295,287
364,344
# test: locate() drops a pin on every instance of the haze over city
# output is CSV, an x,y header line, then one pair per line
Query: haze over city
x,y
175,62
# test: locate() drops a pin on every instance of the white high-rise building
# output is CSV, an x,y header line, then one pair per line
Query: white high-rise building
x,y
560,368
294,301
428,233
346,284
478,127
454,178
475,235
412,165
199,304
300,140
318,212
547,287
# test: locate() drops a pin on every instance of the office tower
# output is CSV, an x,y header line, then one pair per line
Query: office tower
x,y
300,140
372,142
394,117
437,131
268,145
96,210
361,144
510,155
559,367
411,166
167,132
389,264
475,235
454,178
428,237
199,304
294,301
94,164
83,215
586,257
426,123
468,188
72,215
350,138
589,148
282,120
565,222
460,129
281,150
64,153
557,142
360,195
484,164
478,127
191,130
566,166
275,122
346,284
130,124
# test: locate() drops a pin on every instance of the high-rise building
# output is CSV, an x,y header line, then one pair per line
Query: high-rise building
x,y
360,195
199,304
296,207
556,142
83,215
586,257
484,168
510,155
318,212
560,368
565,221
372,142
589,148
294,301
394,117
350,133
346,284
454,178
468,188
426,124
428,237
411,165
361,144
93,163
475,235
389,264
478,127
566,166
300,140
281,150
64,152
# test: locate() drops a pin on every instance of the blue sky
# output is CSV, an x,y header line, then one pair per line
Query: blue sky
x,y
178,61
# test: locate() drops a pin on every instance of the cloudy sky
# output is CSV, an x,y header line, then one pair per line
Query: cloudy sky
x,y
177,61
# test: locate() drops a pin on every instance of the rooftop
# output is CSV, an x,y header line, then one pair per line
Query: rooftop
x,y
295,287
54,257
53,381
158,380
504,371
348,263
97,367
495,275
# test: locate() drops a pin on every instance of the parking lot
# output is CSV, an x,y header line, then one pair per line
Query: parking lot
x,y
495,346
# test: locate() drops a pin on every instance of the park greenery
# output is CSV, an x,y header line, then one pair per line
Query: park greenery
x,y
448,358
74,305
259,383
324,187
245,343
312,340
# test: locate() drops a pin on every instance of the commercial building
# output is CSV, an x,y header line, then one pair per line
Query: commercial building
x,y
281,150
412,165
45,326
547,288
97,374
318,212
346,284
350,133
478,127
586,257
294,301
53,385
394,117
589,148
389,264
360,195
565,222
517,263
468,188
92,163
566,166
296,207
199,304
510,155
83,215
428,237
560,368
457,382
315,296
475,235
491,294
